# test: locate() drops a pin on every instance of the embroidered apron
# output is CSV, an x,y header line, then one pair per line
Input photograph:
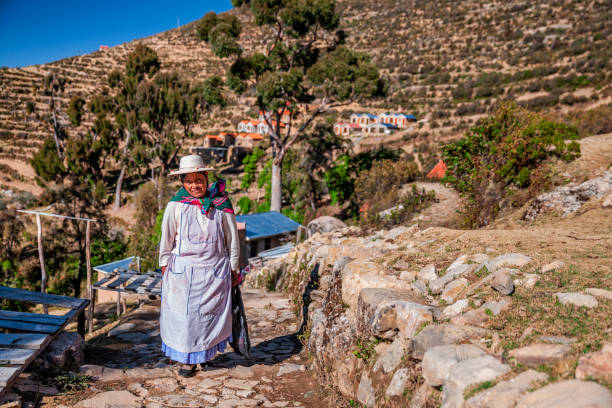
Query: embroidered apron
x,y
196,303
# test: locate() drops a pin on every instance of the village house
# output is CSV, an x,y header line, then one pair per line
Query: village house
x,y
363,119
346,129
247,126
378,128
265,231
400,120
249,140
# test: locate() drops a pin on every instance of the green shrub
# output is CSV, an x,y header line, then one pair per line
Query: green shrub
x,y
245,204
499,154
250,166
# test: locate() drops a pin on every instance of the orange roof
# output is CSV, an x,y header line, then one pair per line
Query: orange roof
x,y
438,171
254,136
215,137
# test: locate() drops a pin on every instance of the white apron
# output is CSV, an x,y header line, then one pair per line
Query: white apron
x,y
196,303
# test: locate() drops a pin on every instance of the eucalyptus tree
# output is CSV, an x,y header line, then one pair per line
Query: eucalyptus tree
x,y
305,70
141,64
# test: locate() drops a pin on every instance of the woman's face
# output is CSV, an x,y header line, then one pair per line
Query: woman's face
x,y
195,184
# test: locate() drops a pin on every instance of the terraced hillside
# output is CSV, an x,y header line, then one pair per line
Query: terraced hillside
x,y
447,61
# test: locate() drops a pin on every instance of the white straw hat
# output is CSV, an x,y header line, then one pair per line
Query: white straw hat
x,y
191,164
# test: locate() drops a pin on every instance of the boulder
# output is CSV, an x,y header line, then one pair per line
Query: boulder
x,y
454,271
456,308
438,361
419,287
66,350
597,365
502,282
600,293
569,198
324,224
385,312
392,357
536,354
553,266
365,392
570,393
506,393
453,289
475,317
510,259
577,299
443,334
528,281
428,273
101,373
398,383
399,231
466,373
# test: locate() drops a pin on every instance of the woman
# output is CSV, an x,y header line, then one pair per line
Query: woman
x,y
198,256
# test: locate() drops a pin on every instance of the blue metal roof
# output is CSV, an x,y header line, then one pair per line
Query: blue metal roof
x,y
121,265
267,224
410,117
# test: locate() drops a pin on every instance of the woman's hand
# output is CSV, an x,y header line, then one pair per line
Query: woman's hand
x,y
163,268
235,278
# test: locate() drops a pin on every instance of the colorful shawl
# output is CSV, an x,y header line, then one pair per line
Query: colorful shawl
x,y
215,197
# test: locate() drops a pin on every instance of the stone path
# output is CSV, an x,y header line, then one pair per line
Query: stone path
x,y
130,371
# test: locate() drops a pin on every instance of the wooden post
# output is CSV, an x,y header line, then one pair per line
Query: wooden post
x,y
41,256
118,304
90,293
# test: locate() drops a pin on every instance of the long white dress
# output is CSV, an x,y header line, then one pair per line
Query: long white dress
x,y
195,316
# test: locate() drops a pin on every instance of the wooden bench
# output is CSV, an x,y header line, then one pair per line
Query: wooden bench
x,y
35,331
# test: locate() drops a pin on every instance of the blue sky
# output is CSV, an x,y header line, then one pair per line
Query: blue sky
x,y
36,32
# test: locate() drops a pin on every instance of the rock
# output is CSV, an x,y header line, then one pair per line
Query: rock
x,y
570,393
398,383
392,357
365,392
65,350
437,361
597,365
122,328
407,276
600,293
577,299
115,399
528,281
419,397
443,334
607,201
288,368
472,318
428,273
502,282
385,312
401,230
240,384
419,287
558,339
506,393
453,289
452,272
536,354
134,337
324,224
553,266
569,198
466,373
140,372
496,307
456,308
163,384
510,259
138,389
101,373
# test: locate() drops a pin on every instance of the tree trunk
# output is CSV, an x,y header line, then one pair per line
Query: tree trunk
x,y
159,188
117,203
275,201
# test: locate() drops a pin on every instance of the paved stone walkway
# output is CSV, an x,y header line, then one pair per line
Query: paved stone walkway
x,y
130,371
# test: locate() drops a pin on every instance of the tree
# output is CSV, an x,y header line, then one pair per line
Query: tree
x,y
305,72
53,85
141,64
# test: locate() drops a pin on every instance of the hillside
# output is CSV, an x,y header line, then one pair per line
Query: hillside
x,y
447,62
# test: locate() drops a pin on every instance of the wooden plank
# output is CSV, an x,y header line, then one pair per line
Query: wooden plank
x,y
14,356
32,341
32,317
29,327
153,283
42,298
135,284
124,277
8,375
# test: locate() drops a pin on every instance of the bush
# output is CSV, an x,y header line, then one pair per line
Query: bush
x,y
245,204
372,185
594,121
499,155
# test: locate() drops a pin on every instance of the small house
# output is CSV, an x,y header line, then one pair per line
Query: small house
x,y
247,126
379,129
363,119
346,129
265,231
249,140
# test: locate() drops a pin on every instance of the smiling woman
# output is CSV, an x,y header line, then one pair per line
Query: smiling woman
x,y
198,254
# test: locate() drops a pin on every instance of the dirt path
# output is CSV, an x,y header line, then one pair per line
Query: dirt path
x,y
131,371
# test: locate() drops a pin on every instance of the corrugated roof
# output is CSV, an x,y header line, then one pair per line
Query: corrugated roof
x,y
267,224
121,265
